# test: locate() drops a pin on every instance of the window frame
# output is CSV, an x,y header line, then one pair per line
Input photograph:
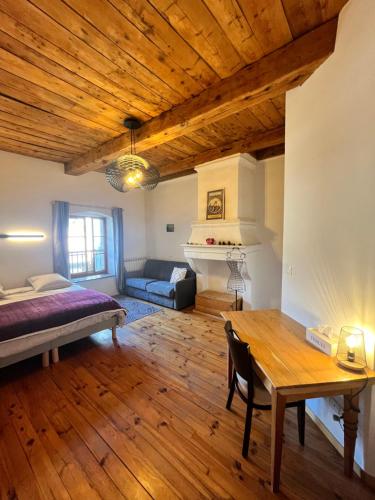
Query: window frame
x,y
105,251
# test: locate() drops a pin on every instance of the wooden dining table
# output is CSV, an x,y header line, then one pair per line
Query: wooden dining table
x,y
292,369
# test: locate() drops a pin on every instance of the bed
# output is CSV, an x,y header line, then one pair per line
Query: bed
x,y
37,322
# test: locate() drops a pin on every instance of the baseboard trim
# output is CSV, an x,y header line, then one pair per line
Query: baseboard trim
x,y
365,477
331,438
368,480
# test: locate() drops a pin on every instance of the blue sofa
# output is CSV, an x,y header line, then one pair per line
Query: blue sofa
x,y
152,284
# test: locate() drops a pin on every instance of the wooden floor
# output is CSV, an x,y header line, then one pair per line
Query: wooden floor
x,y
147,419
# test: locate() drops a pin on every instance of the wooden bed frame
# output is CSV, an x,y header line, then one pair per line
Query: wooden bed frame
x,y
53,345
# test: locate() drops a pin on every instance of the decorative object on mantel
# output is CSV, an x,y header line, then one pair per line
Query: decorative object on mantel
x,y
351,351
236,260
229,244
215,205
212,242
132,171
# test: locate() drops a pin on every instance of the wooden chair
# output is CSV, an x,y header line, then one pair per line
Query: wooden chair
x,y
250,388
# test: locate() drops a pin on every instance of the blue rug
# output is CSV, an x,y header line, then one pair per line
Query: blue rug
x,y
136,309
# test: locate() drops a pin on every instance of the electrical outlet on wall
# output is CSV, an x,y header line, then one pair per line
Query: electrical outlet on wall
x,y
335,405
289,270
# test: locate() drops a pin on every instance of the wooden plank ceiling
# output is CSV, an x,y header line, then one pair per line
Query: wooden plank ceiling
x,y
71,70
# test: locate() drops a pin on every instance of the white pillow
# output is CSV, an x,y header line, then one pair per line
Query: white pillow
x,y
178,274
16,291
2,294
44,282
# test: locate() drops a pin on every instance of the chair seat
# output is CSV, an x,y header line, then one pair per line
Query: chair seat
x,y
261,395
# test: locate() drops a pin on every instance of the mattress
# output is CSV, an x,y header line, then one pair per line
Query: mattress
x,y
27,341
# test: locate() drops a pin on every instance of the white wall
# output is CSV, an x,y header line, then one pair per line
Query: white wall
x,y
27,188
172,202
176,202
329,237
266,265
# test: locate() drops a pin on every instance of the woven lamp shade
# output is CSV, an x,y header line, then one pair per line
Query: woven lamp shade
x,y
130,172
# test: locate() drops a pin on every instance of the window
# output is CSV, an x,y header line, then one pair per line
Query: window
x,y
87,246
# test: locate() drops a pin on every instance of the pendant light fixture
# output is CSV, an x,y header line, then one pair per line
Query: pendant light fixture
x,y
131,171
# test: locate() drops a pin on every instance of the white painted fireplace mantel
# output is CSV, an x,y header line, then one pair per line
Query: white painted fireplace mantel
x,y
236,175
214,252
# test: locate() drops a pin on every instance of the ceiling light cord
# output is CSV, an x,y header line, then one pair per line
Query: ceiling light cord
x,y
132,142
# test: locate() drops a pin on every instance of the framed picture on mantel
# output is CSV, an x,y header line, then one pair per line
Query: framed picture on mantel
x,y
216,204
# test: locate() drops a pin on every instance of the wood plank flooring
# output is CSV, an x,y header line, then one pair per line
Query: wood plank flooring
x,y
147,418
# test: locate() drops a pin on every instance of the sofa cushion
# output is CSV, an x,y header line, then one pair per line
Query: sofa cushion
x,y
163,288
161,270
178,274
140,283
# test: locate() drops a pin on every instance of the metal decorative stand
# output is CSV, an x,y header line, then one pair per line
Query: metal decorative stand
x,y
236,263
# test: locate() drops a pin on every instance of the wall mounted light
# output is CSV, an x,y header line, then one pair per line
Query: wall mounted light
x,y
21,236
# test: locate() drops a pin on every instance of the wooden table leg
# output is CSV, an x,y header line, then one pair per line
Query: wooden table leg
x,y
278,412
229,368
351,410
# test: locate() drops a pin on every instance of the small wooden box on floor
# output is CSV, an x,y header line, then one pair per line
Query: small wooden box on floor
x,y
211,302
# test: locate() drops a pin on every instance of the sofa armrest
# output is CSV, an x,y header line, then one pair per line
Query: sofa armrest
x,y
185,293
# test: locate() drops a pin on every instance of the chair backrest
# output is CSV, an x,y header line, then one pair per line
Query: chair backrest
x,y
241,357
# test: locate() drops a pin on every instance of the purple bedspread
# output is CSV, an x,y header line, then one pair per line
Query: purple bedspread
x,y
42,313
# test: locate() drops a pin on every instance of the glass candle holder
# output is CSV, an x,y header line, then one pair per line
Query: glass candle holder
x,y
351,351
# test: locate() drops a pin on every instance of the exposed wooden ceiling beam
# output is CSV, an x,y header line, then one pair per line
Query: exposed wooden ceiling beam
x,y
184,173
269,152
275,73
258,141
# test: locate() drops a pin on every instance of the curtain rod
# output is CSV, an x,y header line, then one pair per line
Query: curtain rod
x,y
92,206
